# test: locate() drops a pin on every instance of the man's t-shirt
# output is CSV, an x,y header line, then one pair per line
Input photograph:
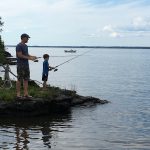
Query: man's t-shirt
x,y
24,49
45,67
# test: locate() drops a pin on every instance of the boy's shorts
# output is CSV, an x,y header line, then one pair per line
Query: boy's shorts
x,y
23,72
44,77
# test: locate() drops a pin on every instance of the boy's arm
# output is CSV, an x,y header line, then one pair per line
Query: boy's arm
x,y
51,68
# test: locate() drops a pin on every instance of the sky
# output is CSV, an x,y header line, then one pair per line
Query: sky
x,y
77,22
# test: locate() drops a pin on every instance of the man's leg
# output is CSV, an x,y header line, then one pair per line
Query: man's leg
x,y
18,87
25,84
26,76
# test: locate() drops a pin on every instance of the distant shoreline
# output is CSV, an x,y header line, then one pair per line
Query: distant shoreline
x,y
118,47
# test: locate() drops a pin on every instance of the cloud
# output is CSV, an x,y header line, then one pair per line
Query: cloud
x,y
139,27
138,24
141,24
114,34
138,21
111,31
108,28
74,20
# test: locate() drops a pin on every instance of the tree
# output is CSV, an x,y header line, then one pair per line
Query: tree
x,y
1,24
2,47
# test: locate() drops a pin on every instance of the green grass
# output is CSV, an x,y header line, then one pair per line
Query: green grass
x,y
7,94
35,91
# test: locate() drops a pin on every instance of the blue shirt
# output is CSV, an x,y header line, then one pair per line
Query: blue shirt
x,y
45,67
24,49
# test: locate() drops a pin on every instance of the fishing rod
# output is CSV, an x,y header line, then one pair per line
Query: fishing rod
x,y
36,60
55,68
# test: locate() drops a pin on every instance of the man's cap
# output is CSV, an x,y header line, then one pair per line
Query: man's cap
x,y
25,35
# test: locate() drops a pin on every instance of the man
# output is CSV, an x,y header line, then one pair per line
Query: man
x,y
23,71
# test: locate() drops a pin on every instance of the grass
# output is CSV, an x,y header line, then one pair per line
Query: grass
x,y
34,90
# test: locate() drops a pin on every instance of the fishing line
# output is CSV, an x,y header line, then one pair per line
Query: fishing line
x,y
55,68
65,56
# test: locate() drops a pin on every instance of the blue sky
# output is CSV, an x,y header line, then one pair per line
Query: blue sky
x,y
77,22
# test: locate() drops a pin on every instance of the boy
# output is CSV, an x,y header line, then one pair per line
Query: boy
x,y
46,69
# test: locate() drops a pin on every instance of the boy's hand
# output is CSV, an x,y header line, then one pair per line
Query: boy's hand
x,y
51,68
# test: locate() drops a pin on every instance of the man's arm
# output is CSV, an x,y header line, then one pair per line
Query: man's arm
x,y
29,57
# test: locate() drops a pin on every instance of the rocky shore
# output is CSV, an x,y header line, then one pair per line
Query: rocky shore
x,y
42,106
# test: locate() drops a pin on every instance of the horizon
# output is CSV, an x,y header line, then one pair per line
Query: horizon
x,y
74,22
83,46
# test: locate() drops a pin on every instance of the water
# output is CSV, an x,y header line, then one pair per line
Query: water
x,y
119,75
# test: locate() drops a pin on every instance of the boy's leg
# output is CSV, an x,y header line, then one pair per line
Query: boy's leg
x,y
44,84
44,79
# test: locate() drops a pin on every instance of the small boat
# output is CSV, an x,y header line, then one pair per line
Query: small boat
x,y
70,51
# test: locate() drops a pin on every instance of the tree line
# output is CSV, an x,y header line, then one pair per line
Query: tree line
x,y
2,47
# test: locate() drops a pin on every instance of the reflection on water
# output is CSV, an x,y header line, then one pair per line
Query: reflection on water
x,y
30,133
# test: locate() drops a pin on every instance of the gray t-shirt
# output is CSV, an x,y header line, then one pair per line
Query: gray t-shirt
x,y
24,49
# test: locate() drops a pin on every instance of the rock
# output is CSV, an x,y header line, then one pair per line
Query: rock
x,y
79,100
39,106
32,107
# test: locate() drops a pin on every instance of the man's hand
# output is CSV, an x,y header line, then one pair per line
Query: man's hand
x,y
32,58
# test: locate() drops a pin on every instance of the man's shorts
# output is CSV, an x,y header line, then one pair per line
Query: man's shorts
x,y
44,77
23,72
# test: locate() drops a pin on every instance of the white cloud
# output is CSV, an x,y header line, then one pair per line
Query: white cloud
x,y
139,27
72,21
108,28
138,21
111,31
141,24
114,34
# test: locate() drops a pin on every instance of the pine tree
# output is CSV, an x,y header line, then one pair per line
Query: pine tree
x,y
2,47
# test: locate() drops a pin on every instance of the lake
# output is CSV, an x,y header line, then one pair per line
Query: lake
x,y
121,76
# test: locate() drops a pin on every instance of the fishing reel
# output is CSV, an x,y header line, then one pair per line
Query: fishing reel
x,y
36,60
55,69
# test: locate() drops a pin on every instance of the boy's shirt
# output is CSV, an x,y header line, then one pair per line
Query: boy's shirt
x,y
45,67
